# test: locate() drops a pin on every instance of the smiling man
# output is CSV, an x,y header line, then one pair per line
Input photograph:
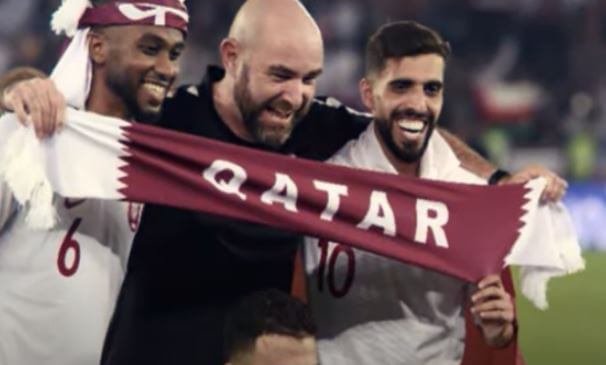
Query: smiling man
x,y
371,309
184,269
58,287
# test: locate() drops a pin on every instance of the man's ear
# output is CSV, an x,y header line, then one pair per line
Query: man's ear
x,y
97,47
365,86
230,50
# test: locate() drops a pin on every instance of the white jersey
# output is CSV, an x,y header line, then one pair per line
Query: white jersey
x,y
58,288
374,310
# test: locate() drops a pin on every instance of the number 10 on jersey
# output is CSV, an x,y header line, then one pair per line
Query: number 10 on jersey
x,y
328,268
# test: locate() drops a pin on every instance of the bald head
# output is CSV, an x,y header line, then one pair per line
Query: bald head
x,y
260,21
273,56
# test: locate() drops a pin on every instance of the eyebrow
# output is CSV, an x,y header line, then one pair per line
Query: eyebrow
x,y
155,38
291,73
413,81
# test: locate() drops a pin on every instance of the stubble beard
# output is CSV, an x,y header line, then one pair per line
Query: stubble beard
x,y
272,138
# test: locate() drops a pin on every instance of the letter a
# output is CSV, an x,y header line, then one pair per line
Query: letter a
x,y
274,195
379,214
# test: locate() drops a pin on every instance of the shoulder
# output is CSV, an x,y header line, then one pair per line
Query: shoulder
x,y
327,127
330,110
179,108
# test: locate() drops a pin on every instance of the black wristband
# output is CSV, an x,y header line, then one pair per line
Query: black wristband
x,y
497,176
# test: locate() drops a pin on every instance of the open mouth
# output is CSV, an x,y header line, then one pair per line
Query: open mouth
x,y
278,114
412,126
156,91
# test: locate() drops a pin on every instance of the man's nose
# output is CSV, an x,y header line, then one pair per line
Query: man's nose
x,y
293,93
417,100
166,67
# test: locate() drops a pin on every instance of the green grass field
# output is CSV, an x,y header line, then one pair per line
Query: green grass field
x,y
573,330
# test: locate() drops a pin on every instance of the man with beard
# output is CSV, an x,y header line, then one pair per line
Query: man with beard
x,y
58,287
185,270
375,310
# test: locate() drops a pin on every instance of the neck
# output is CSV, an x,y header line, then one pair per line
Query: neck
x,y
403,168
225,104
103,101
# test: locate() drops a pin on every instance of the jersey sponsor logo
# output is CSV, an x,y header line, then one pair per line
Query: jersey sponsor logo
x,y
142,11
134,215
72,203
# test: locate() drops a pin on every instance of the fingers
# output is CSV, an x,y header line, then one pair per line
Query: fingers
x,y
38,101
490,280
61,104
497,315
555,188
503,305
37,106
13,102
492,302
491,292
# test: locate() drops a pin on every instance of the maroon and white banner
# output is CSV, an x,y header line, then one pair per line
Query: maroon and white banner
x,y
462,230
467,231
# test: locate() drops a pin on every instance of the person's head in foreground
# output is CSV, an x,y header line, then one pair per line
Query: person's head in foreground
x,y
403,86
270,328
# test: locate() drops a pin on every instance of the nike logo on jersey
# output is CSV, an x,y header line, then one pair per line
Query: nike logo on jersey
x,y
72,203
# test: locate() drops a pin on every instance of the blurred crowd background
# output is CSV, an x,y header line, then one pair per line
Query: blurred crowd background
x,y
526,82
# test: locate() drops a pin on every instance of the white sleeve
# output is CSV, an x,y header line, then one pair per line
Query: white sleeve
x,y
7,204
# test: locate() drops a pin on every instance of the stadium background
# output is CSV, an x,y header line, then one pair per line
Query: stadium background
x,y
526,83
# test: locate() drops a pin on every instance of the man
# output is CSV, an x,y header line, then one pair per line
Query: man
x,y
58,287
184,269
270,328
375,310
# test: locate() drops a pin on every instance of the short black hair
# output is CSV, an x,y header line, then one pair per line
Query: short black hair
x,y
402,39
267,312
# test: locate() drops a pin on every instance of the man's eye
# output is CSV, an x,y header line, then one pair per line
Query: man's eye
x,y
280,77
174,55
309,80
150,50
400,86
433,89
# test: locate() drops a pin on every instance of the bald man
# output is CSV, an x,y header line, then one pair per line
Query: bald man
x,y
185,270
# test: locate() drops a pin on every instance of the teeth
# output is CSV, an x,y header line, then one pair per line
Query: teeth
x,y
412,125
155,89
279,114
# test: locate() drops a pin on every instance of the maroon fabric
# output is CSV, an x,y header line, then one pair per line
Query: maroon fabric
x,y
167,168
168,13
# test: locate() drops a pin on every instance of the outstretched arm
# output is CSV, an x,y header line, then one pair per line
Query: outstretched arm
x,y
554,190
470,159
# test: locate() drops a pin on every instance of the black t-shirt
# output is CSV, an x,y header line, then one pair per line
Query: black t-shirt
x,y
186,270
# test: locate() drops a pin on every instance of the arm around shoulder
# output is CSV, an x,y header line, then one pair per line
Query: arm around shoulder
x,y
12,77
470,159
